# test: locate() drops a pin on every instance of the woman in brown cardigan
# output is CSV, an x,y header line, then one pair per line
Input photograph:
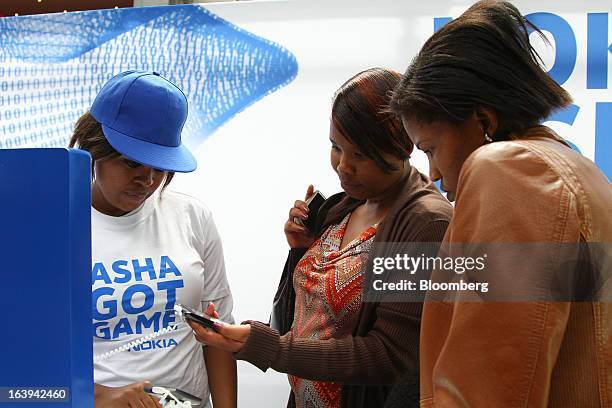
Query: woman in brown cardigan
x,y
339,350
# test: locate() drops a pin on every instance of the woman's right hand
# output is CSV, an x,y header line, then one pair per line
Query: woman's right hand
x,y
128,396
297,235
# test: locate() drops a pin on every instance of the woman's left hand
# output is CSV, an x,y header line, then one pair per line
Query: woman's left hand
x,y
228,337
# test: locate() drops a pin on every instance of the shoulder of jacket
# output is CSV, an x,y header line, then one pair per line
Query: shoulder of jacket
x,y
506,151
499,159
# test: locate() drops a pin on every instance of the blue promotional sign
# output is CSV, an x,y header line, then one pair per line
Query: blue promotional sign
x,y
45,284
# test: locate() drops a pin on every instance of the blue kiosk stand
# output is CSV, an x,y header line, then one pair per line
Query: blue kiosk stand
x,y
45,279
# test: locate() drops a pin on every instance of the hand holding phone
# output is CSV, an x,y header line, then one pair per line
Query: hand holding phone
x,y
314,202
300,226
189,314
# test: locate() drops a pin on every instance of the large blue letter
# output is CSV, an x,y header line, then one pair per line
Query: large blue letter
x,y
167,266
603,137
170,287
597,51
110,305
565,44
119,268
138,269
99,273
129,293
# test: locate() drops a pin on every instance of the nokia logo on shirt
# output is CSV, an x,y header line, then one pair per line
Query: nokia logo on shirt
x,y
154,344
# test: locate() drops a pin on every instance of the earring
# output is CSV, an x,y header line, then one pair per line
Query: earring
x,y
487,138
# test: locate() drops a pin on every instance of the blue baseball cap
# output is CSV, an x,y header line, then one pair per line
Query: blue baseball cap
x,y
142,116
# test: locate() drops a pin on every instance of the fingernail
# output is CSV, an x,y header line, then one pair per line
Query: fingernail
x,y
217,326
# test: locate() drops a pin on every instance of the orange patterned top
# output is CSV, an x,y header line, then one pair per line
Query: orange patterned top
x,y
328,284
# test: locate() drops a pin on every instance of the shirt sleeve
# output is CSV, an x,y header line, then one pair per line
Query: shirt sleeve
x,y
379,357
216,287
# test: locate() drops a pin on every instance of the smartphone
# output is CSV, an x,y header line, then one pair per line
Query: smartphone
x,y
314,202
189,314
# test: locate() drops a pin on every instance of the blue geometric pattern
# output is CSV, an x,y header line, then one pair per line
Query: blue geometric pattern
x,y
52,66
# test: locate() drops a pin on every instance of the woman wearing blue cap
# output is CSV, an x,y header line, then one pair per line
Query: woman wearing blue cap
x,y
151,248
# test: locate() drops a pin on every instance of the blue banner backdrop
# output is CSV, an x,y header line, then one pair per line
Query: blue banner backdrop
x,y
52,66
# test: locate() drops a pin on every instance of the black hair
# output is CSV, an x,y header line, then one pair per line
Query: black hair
x,y
482,59
359,112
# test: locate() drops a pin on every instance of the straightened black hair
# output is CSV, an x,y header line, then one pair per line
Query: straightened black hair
x,y
360,113
482,59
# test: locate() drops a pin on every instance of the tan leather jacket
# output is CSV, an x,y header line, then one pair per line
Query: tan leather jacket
x,y
522,354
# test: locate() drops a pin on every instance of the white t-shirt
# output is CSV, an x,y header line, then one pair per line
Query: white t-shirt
x,y
167,251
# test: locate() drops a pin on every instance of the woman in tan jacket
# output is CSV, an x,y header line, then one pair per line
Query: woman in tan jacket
x,y
472,100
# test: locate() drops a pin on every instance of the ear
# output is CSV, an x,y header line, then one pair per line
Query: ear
x,y
488,120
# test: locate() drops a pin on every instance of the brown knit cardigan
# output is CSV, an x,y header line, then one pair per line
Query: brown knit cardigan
x,y
384,346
